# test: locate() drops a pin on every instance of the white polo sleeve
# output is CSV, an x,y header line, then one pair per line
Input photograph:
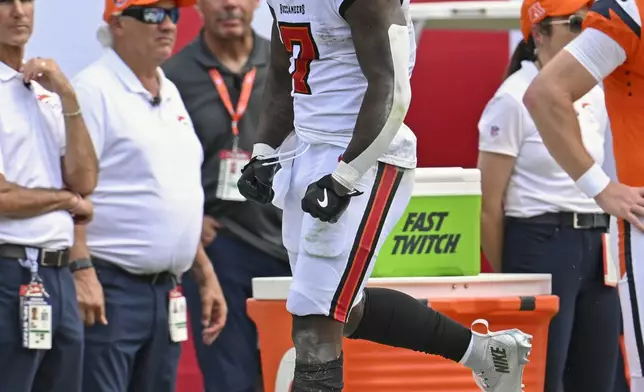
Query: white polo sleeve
x,y
92,105
501,126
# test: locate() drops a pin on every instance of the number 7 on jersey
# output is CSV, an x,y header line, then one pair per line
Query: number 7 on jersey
x,y
298,40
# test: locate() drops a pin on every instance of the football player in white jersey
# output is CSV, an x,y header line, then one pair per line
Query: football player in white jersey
x,y
336,95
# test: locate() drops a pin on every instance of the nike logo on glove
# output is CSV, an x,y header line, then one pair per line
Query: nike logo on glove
x,y
325,201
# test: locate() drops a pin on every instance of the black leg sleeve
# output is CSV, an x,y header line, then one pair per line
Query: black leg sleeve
x,y
395,319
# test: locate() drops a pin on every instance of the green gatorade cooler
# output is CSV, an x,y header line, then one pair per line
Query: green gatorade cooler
x,y
439,233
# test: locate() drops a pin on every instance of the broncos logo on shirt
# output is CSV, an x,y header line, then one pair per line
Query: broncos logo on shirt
x,y
624,88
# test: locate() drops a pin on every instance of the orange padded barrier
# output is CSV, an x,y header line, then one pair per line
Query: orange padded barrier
x,y
371,367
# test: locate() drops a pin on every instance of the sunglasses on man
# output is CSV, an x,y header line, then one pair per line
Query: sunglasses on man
x,y
151,15
574,23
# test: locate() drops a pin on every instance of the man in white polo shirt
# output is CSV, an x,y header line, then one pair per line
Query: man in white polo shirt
x,y
47,164
148,208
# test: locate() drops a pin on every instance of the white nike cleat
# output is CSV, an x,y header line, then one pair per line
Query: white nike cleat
x,y
498,358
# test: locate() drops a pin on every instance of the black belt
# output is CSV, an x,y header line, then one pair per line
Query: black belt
x,y
569,219
160,278
46,257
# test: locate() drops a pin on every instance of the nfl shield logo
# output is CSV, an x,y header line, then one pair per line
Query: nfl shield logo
x,y
494,130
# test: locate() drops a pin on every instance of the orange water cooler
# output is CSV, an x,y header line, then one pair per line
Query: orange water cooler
x,y
506,300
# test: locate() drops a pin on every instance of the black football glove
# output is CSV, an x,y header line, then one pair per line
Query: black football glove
x,y
322,201
256,180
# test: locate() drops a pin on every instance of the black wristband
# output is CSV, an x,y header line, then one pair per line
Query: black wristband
x,y
80,264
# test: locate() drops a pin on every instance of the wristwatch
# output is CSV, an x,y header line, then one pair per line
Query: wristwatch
x,y
80,264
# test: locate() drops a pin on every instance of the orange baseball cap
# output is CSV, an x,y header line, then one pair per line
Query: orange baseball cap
x,y
534,11
115,6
